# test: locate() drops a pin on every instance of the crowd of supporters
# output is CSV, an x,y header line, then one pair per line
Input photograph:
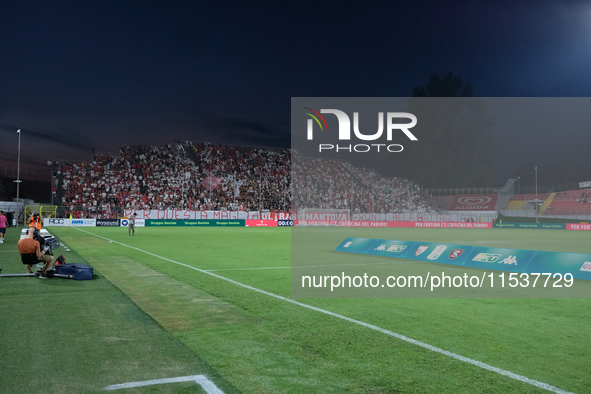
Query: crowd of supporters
x,y
335,184
178,176
250,179
219,177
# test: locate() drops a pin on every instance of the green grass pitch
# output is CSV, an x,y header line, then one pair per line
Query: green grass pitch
x,y
144,317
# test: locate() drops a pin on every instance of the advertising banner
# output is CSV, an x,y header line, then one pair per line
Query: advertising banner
x,y
498,259
355,245
472,202
459,216
358,223
108,222
83,222
421,251
138,222
443,224
551,226
260,223
193,223
578,226
440,253
389,248
577,264
204,215
56,222
189,215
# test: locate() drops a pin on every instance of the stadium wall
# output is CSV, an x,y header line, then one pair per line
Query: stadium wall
x,y
204,215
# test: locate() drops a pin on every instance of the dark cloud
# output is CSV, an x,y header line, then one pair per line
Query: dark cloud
x,y
64,136
236,131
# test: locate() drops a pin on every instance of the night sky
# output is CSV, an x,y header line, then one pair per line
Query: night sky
x,y
78,75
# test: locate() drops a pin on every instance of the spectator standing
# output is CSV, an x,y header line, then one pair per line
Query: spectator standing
x,y
2,226
131,225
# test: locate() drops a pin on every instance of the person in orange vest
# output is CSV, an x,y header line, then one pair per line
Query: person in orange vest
x,y
35,221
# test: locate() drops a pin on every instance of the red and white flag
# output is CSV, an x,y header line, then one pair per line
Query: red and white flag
x,y
211,182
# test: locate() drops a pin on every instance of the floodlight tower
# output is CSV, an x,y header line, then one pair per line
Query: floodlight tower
x,y
536,183
18,175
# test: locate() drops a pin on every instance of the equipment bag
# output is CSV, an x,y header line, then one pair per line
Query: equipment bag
x,y
80,271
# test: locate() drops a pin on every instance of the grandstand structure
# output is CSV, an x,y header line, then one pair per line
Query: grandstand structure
x,y
567,204
180,176
551,202
337,184
208,177
184,176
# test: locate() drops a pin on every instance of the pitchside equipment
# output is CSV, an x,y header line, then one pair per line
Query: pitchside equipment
x,y
73,271
65,271
60,268
47,240
16,275
323,217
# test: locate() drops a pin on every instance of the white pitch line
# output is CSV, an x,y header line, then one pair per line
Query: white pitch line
x,y
308,266
424,345
206,384
246,269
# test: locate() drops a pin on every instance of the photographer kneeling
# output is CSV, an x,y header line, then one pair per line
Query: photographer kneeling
x,y
31,253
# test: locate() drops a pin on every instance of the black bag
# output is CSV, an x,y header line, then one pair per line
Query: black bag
x,y
60,260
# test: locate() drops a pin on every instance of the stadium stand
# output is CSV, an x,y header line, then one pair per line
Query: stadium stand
x,y
178,176
530,197
220,177
571,202
444,202
516,205
336,184
560,204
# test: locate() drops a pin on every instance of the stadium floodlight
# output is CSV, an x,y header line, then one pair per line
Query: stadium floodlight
x,y
536,194
18,175
536,183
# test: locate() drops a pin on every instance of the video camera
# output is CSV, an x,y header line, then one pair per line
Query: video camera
x,y
47,242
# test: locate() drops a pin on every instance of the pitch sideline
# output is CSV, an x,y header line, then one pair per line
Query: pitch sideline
x,y
307,266
201,380
424,345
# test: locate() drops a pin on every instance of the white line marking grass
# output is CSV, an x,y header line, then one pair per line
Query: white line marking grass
x,y
309,266
206,384
476,363
246,269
